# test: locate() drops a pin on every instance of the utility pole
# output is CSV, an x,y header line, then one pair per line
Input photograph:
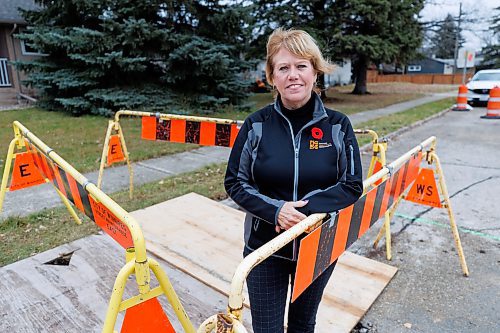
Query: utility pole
x,y
457,37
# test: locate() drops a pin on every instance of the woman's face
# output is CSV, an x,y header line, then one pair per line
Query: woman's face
x,y
294,78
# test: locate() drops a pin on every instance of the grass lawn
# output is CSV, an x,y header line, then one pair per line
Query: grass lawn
x,y
21,237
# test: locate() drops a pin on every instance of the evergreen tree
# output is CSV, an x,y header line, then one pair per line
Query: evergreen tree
x,y
311,16
363,30
376,31
445,38
492,52
205,53
106,55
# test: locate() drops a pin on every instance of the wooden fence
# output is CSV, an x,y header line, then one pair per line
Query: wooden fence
x,y
374,77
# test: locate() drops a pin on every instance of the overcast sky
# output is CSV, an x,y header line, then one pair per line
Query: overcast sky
x,y
475,33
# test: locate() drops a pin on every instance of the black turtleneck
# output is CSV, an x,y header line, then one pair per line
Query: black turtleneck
x,y
301,116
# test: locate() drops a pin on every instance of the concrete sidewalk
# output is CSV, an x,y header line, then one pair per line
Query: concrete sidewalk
x,y
30,200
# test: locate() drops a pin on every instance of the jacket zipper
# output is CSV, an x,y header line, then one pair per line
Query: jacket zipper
x,y
352,159
295,178
296,148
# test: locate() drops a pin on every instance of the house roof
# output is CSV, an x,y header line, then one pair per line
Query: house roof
x,y
449,62
9,12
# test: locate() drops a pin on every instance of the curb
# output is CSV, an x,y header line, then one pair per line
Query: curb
x,y
367,147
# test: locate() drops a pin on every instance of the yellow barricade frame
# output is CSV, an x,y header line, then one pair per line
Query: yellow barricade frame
x,y
235,302
114,127
17,143
137,262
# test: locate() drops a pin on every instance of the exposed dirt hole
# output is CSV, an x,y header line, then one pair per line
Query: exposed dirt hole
x,y
62,260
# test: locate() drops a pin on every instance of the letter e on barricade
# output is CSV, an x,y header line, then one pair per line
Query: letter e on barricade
x,y
24,173
115,151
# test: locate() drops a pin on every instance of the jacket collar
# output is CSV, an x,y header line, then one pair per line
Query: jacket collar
x,y
319,109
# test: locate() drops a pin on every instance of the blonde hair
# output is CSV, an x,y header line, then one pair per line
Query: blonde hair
x,y
299,43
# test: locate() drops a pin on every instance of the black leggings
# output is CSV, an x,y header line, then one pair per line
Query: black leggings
x,y
267,287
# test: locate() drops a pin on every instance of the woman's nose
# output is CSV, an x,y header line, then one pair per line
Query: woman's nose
x,y
293,74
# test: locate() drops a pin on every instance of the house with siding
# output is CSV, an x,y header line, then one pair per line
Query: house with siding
x,y
429,66
12,49
436,66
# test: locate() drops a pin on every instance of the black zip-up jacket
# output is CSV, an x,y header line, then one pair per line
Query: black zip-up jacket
x,y
269,166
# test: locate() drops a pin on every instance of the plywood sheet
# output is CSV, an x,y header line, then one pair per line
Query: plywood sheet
x,y
196,235
204,238
37,297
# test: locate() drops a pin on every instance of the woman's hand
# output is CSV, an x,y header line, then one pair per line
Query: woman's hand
x,y
289,216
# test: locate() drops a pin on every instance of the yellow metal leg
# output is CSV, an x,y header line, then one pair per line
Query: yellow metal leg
x,y
171,296
387,222
379,235
372,165
120,283
68,206
6,171
104,153
453,225
386,228
116,297
125,151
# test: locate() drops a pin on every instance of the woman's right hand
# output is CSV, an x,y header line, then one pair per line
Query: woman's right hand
x,y
288,216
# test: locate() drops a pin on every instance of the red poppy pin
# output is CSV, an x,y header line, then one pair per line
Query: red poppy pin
x,y
317,133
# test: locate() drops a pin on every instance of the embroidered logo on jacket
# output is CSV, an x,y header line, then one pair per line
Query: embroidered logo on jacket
x,y
313,144
317,134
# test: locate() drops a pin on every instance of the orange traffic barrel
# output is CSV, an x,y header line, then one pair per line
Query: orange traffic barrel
x,y
493,108
462,100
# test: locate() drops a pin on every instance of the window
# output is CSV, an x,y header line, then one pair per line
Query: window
x,y
486,77
27,49
414,68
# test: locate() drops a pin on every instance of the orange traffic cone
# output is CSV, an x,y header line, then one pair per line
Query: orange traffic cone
x,y
493,108
462,100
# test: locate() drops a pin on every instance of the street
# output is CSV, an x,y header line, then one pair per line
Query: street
x,y
429,293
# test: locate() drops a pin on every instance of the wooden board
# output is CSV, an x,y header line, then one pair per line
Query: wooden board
x,y
192,232
48,298
204,238
196,235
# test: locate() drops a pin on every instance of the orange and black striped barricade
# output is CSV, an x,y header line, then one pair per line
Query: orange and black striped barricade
x,y
39,164
24,173
462,100
493,107
331,235
203,131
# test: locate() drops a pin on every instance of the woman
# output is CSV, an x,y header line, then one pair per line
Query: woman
x,y
290,159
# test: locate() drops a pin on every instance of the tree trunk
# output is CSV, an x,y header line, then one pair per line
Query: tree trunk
x,y
360,69
321,85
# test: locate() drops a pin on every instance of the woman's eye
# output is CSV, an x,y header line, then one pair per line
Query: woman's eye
x,y
302,66
283,68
